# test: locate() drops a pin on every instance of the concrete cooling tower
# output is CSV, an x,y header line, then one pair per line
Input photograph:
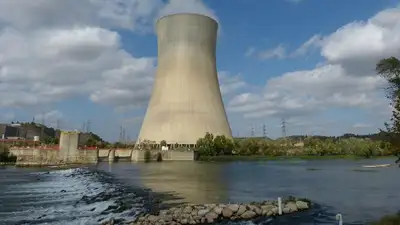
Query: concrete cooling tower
x,y
186,101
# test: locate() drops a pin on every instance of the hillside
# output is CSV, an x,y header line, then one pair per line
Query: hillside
x,y
50,135
376,136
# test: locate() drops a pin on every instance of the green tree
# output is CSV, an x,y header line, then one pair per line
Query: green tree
x,y
205,146
223,145
389,69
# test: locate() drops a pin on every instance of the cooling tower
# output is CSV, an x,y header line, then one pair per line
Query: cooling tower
x,y
186,101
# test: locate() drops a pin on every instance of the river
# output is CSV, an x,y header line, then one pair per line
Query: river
x,y
122,190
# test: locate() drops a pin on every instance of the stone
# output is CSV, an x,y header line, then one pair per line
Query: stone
x,y
211,213
227,212
211,216
292,206
248,214
195,212
257,210
187,209
152,218
241,210
234,207
218,210
286,210
301,205
203,212
267,207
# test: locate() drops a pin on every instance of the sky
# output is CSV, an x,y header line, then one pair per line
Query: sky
x,y
310,62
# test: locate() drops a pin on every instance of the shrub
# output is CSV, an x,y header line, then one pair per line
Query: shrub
x,y
221,145
389,220
5,155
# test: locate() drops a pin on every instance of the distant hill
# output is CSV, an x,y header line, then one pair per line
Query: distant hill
x,y
296,138
47,134
377,136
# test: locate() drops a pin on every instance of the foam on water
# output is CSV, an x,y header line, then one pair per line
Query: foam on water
x,y
72,196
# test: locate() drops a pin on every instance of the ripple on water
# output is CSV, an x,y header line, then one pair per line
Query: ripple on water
x,y
72,196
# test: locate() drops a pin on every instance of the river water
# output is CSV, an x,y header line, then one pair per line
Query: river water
x,y
91,195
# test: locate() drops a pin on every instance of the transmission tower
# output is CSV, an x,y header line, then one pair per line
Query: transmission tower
x,y
264,131
283,128
88,126
252,131
120,133
123,136
84,127
42,128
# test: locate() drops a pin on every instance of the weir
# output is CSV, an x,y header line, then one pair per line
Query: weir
x,y
69,153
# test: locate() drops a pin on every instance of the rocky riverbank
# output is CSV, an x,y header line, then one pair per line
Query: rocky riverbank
x,y
210,213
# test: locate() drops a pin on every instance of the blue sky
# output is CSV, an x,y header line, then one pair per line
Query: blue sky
x,y
310,62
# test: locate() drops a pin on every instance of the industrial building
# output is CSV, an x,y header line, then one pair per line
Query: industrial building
x,y
186,100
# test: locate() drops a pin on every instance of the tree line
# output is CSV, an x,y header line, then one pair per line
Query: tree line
x,y
386,142
211,145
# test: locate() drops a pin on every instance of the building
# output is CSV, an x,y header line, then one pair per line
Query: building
x,y
186,100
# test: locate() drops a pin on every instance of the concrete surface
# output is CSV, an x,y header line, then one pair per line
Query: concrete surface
x,y
66,153
186,100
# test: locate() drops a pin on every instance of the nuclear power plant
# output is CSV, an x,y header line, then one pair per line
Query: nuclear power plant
x,y
186,100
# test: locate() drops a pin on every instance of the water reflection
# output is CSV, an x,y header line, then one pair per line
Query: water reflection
x,y
339,186
194,182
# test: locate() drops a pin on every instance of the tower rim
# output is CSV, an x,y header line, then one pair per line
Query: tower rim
x,y
187,14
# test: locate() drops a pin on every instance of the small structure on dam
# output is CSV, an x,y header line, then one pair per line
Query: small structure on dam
x,y
186,100
66,153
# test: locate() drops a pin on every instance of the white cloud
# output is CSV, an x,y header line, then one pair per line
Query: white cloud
x,y
346,79
128,14
278,52
51,50
229,84
307,92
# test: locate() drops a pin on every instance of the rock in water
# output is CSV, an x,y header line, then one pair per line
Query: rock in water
x,y
211,213
227,212
248,215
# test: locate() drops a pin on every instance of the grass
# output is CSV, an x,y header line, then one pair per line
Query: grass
x,y
389,220
225,158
